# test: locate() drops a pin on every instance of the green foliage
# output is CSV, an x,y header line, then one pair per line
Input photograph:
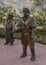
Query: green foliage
x,y
2,33
38,20
6,10
40,36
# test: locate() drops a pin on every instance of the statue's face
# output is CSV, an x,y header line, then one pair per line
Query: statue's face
x,y
25,13
10,17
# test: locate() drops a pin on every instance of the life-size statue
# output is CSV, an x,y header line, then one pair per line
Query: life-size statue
x,y
27,27
9,28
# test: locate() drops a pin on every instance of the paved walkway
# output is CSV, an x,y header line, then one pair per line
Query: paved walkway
x,y
10,55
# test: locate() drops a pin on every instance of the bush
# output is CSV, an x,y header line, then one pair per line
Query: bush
x,y
40,36
2,33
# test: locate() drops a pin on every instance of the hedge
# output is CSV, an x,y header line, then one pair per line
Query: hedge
x,y
40,35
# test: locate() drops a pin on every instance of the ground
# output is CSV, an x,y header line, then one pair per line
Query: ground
x,y
10,55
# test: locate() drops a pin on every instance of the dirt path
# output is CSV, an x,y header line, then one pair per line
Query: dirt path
x,y
10,55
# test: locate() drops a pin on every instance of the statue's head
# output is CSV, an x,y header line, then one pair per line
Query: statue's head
x,y
10,16
26,11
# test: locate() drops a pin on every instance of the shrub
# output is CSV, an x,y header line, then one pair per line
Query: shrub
x,y
2,33
40,36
